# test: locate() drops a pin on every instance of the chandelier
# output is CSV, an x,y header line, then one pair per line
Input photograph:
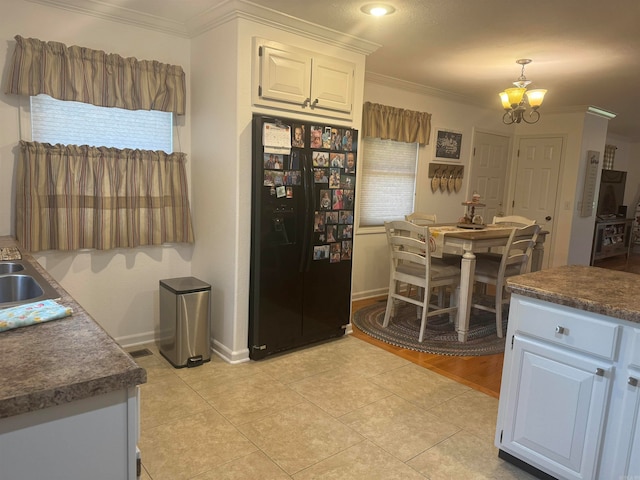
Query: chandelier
x,y
514,103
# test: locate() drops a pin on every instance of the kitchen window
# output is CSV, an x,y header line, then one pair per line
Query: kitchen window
x,y
388,180
91,178
76,123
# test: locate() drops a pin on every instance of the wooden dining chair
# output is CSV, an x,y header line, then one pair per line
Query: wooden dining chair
x,y
508,221
411,265
421,218
494,270
513,221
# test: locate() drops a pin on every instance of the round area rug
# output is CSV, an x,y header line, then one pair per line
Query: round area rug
x,y
440,336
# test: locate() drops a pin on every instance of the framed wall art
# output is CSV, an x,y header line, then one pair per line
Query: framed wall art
x,y
448,144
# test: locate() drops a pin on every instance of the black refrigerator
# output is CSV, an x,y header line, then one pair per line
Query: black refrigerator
x,y
303,201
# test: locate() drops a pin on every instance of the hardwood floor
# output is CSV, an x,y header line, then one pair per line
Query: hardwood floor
x,y
481,373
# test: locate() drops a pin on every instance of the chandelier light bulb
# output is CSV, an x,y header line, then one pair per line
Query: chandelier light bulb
x,y
516,100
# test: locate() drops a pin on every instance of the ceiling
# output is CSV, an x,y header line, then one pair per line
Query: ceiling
x,y
585,52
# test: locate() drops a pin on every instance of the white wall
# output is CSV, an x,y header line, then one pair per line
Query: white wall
x,y
216,178
118,288
593,138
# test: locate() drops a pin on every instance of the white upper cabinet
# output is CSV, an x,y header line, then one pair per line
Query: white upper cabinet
x,y
285,76
292,79
332,84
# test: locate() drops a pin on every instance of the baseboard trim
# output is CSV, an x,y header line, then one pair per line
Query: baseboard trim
x,y
129,341
379,292
229,355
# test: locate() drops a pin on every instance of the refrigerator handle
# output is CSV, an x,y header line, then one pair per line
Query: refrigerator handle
x,y
307,224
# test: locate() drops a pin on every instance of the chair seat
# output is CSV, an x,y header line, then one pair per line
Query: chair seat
x,y
489,268
444,271
449,259
438,271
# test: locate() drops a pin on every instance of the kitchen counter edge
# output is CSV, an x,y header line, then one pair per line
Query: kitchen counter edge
x,y
608,292
60,361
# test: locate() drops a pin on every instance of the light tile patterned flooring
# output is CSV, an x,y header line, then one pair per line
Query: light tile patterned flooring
x,y
344,409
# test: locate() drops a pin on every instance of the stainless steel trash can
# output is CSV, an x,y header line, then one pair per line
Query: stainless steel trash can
x,y
185,307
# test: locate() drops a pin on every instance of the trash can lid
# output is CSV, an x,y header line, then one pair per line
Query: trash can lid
x,y
184,285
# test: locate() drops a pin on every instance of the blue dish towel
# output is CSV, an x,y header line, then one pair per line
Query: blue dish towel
x,y
31,313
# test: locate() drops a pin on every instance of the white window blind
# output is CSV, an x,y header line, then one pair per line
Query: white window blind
x,y
75,123
388,181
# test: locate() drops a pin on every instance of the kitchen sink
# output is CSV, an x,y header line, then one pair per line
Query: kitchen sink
x,y
22,283
16,288
10,267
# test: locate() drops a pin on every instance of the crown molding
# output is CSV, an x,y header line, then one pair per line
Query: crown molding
x,y
98,9
244,9
225,11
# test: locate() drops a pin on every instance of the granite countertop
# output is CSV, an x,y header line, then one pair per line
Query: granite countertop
x,y
599,290
60,361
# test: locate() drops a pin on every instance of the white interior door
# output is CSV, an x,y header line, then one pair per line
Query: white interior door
x,y
536,184
489,172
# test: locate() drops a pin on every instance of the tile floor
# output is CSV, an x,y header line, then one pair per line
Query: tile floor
x,y
344,409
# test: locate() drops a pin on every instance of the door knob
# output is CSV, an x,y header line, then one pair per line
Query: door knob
x,y
548,218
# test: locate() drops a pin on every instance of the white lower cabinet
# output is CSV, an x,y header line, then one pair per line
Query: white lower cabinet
x,y
93,438
557,408
621,457
570,394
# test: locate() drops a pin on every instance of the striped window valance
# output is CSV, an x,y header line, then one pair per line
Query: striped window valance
x,y
77,197
391,123
92,76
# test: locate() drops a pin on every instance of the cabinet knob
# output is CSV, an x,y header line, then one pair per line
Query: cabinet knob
x,y
633,381
600,372
315,102
306,102
560,329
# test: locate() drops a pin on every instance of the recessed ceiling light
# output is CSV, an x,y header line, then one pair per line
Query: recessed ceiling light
x,y
377,9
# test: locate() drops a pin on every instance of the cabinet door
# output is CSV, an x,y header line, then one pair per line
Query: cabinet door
x,y
623,446
332,84
627,451
555,409
285,76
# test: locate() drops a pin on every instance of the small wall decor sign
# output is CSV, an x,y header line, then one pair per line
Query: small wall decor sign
x,y
448,144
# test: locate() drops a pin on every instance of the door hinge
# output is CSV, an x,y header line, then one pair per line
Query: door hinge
x,y
259,347
512,339
259,51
